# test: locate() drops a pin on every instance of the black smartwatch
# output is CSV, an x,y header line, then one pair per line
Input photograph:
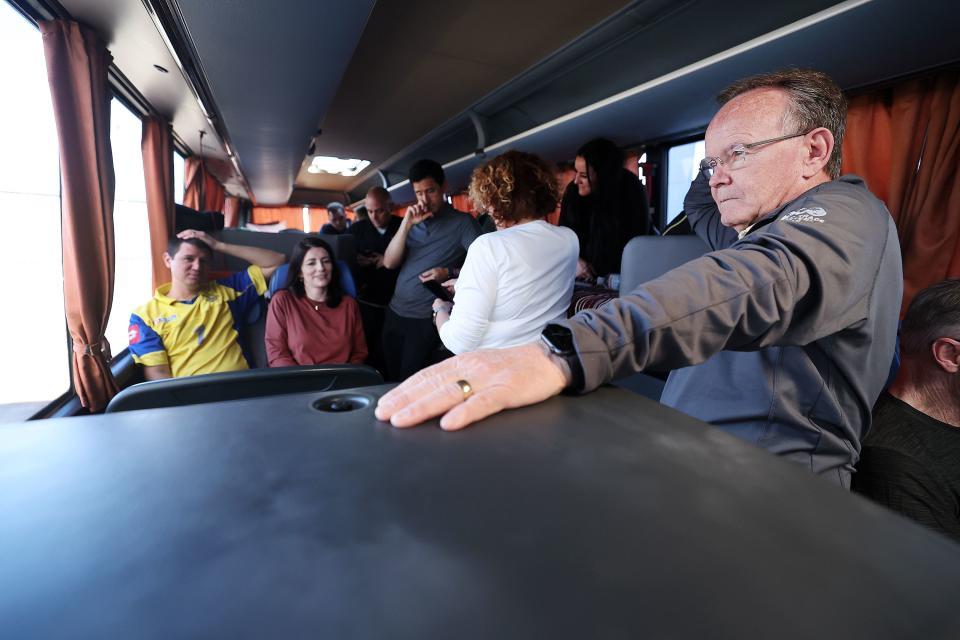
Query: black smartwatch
x,y
559,340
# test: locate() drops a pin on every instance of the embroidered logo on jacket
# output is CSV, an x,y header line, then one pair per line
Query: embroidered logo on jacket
x,y
806,214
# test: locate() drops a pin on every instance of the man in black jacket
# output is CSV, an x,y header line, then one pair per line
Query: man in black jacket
x,y
375,283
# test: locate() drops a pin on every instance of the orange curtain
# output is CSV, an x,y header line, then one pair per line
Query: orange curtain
x,y
905,142
201,191
77,63
231,211
462,202
291,216
157,147
318,218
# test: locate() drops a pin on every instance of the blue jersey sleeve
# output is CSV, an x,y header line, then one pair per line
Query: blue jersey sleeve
x,y
145,344
248,286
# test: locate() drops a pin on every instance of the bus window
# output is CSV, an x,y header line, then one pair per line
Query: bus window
x,y
132,282
178,161
35,366
683,162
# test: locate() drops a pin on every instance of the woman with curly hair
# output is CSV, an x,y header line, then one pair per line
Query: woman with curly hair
x,y
517,280
311,320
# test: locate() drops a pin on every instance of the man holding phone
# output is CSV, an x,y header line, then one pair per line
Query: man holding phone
x,y
430,244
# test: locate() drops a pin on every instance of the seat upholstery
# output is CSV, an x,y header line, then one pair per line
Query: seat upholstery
x,y
343,245
649,257
346,279
646,258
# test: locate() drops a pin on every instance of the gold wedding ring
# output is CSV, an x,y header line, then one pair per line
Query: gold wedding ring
x,y
465,389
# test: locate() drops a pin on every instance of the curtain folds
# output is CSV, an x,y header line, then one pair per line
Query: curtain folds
x,y
157,147
77,63
202,191
318,217
291,216
231,211
905,141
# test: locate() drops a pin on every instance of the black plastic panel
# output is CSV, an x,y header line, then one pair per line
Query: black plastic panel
x,y
599,517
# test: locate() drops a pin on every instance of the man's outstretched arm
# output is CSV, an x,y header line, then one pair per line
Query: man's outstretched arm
x,y
157,372
267,260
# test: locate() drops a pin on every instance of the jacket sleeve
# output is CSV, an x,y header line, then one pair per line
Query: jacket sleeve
x,y
704,215
788,283
275,335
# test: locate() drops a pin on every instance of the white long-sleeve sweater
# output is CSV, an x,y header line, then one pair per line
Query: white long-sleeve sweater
x,y
512,284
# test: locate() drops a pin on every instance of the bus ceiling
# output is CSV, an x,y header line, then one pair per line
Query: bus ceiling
x,y
395,80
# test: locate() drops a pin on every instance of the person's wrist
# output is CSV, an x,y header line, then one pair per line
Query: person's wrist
x,y
561,363
558,342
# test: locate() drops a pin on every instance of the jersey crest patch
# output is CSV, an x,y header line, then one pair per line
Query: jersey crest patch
x,y
806,214
133,334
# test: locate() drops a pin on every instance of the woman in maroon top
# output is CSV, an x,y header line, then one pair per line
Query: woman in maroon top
x,y
310,320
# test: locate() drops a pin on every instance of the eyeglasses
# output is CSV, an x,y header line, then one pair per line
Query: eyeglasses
x,y
736,156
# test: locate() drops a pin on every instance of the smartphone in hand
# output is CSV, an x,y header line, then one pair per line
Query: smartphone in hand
x,y
438,290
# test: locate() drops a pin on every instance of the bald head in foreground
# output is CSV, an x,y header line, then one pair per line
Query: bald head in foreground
x,y
782,335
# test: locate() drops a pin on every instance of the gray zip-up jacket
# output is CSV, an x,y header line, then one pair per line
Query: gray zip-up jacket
x,y
790,329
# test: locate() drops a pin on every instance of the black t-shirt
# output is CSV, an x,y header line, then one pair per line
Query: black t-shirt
x,y
911,464
375,284
330,230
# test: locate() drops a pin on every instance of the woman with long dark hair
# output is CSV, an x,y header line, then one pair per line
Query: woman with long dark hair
x,y
605,205
311,320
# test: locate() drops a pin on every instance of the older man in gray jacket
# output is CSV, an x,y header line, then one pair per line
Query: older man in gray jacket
x,y
783,335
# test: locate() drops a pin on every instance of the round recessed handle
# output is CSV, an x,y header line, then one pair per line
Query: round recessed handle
x,y
342,403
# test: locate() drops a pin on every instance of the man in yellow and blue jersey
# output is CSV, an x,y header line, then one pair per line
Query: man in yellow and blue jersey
x,y
190,326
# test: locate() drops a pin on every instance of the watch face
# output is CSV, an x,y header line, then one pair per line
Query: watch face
x,y
559,338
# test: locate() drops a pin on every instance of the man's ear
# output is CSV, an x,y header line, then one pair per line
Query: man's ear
x,y
819,147
946,353
167,260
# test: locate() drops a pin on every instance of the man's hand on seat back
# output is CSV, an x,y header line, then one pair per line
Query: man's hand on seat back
x,y
500,379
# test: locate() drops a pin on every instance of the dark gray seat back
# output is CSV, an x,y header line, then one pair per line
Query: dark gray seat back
x,y
646,258
649,257
344,246
236,385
